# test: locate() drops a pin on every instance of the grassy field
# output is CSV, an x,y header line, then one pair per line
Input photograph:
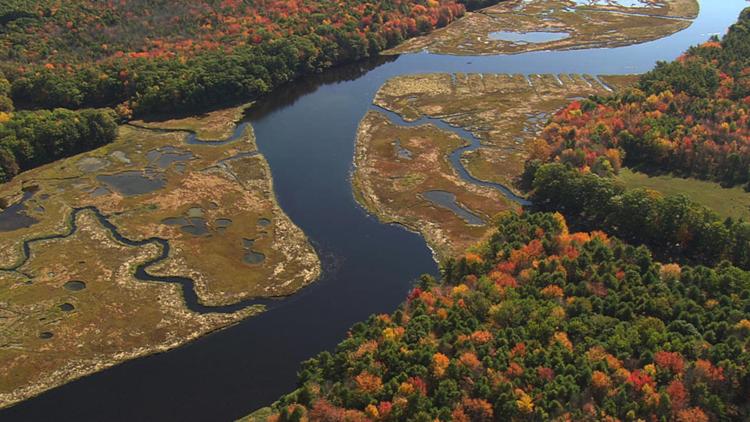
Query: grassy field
x,y
733,202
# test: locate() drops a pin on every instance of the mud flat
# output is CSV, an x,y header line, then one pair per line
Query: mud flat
x,y
535,25
139,247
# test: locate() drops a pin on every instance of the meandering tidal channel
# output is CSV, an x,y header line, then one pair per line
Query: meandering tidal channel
x,y
306,131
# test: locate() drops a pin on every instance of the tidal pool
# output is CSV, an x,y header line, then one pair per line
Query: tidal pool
x,y
74,285
195,212
66,307
401,152
222,223
253,257
196,227
175,221
194,224
130,183
528,37
166,156
14,217
100,191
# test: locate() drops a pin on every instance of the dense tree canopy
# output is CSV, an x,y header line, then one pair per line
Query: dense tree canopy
x,y
165,55
144,56
32,138
674,226
542,324
690,116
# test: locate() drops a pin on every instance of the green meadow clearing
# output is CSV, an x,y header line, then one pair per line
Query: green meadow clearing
x,y
728,202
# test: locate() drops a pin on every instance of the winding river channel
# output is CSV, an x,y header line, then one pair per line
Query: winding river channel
x,y
455,156
306,130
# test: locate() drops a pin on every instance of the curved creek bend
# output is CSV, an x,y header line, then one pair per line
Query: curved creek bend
x,y
306,131
141,271
455,157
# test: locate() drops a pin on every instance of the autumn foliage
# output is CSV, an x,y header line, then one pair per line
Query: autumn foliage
x,y
146,56
165,55
690,117
651,345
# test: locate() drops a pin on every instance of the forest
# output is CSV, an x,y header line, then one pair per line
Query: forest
x,y
672,225
689,118
144,56
141,56
32,138
543,324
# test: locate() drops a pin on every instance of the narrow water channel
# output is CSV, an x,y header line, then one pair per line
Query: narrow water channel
x,y
455,156
306,131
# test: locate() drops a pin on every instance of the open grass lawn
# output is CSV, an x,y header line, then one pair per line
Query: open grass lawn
x,y
733,202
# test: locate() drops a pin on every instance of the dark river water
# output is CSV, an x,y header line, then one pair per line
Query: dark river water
x,y
306,130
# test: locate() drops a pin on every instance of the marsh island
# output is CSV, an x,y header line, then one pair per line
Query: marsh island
x,y
534,25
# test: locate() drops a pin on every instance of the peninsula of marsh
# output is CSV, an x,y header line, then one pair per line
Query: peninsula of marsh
x,y
442,153
168,233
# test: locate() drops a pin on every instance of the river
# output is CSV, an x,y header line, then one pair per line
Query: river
x,y
306,131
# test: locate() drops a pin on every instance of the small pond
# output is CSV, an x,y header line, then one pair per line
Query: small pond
x,y
166,156
130,183
195,226
67,307
74,285
222,224
534,37
253,257
14,217
100,191
401,152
